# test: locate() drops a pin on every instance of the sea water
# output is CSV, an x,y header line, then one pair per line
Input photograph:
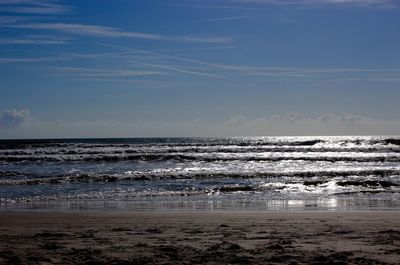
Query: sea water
x,y
249,173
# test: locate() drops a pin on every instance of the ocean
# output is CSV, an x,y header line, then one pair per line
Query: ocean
x,y
237,173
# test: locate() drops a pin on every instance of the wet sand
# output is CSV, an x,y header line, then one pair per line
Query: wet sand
x,y
200,238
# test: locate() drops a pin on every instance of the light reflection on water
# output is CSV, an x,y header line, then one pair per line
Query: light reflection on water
x,y
333,204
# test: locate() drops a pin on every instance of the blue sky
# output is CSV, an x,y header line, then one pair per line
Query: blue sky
x,y
129,68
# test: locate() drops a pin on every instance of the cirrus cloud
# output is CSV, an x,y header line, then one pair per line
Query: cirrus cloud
x,y
112,32
380,3
36,7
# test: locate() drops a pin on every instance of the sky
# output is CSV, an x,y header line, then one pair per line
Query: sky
x,y
153,68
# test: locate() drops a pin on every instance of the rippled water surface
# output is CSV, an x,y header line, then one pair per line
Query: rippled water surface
x,y
202,173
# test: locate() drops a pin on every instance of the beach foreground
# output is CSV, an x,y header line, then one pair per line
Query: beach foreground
x,y
200,238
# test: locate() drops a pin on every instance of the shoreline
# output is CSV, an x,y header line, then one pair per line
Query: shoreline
x,y
219,237
184,204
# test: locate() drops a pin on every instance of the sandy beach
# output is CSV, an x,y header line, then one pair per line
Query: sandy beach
x,y
200,237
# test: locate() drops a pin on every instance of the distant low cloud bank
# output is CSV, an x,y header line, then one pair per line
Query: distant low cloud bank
x,y
20,124
12,118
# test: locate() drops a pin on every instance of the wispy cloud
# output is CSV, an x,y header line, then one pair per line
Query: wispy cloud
x,y
203,39
218,19
65,57
178,64
143,84
95,72
268,71
312,72
11,19
198,49
88,30
33,40
24,60
214,6
387,77
111,32
182,59
244,4
125,56
175,69
33,7
367,3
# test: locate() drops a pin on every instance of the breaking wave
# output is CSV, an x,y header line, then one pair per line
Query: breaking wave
x,y
252,167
